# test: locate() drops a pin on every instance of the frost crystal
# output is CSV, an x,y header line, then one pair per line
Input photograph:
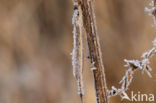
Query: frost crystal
x,y
134,63
152,11
149,11
74,16
148,54
151,3
93,68
154,43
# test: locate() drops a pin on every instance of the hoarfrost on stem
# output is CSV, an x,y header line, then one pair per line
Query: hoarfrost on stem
x,y
77,53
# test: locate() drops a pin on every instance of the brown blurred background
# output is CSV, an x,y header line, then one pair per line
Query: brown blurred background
x,y
36,42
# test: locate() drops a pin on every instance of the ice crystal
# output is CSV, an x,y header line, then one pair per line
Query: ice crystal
x,y
154,43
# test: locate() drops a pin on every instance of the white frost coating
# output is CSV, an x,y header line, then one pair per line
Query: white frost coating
x,y
126,80
135,63
77,53
151,3
74,60
74,16
148,54
76,11
80,88
154,43
150,11
142,65
93,68
75,48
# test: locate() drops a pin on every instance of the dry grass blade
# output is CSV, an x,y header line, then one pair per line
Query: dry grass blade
x,y
94,50
77,54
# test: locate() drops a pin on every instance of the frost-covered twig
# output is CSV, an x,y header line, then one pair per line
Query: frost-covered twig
x,y
77,54
134,65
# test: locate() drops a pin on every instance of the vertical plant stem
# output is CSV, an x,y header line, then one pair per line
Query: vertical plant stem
x,y
89,23
77,54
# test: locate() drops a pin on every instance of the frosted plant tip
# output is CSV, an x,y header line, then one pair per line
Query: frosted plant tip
x,y
154,42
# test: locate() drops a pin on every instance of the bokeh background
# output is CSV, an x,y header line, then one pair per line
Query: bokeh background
x,y
36,42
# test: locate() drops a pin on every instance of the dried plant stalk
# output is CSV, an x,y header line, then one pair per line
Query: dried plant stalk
x,y
94,50
77,54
